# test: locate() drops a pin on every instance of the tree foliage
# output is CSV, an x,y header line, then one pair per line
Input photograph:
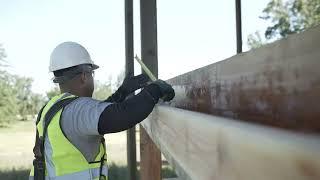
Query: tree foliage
x,y
2,56
102,90
255,40
17,101
8,103
29,102
120,78
52,92
287,17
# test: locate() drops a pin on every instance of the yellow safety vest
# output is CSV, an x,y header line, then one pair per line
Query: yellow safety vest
x,y
67,162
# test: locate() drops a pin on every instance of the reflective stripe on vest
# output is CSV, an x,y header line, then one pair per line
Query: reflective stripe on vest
x,y
63,160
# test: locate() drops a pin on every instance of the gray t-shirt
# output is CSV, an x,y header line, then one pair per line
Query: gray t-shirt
x,y
79,122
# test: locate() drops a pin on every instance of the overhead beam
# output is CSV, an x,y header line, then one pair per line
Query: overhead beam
x,y
149,153
277,85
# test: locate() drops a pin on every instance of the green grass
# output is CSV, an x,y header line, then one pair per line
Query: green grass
x,y
115,173
16,153
15,174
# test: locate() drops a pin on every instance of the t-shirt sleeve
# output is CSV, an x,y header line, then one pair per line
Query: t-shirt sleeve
x,y
82,115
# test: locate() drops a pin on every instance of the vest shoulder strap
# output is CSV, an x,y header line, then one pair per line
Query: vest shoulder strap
x,y
39,164
53,111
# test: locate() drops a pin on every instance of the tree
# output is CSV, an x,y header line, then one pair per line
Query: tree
x,y
29,102
2,56
53,92
17,101
102,90
255,40
287,17
8,102
120,78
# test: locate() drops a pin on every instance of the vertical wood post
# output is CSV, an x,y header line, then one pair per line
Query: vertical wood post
x,y
129,71
149,153
238,26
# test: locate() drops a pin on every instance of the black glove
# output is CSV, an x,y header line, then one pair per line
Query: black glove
x,y
166,91
129,85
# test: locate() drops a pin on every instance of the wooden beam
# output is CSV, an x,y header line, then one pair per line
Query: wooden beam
x,y
277,85
149,153
207,147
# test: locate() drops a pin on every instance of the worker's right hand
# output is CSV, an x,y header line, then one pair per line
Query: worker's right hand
x,y
166,90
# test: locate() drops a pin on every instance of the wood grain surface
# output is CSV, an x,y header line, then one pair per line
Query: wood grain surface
x,y
206,147
277,85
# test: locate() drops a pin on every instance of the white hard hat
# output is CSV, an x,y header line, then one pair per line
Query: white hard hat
x,y
69,54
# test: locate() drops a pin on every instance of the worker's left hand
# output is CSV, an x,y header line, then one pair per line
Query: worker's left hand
x,y
131,84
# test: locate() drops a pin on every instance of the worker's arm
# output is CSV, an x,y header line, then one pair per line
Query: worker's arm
x,y
121,116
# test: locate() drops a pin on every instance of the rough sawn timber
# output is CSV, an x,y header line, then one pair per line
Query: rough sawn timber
x,y
277,85
206,147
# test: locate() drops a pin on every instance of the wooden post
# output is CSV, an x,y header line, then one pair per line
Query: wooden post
x,y
129,71
150,163
238,26
149,153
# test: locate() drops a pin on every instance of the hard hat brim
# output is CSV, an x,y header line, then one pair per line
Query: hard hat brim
x,y
94,66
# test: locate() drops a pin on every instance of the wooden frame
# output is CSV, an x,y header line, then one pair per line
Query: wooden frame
x,y
252,116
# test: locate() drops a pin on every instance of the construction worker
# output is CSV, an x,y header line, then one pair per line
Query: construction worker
x,y
70,127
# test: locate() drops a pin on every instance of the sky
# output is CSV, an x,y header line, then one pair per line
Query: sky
x,y
191,34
